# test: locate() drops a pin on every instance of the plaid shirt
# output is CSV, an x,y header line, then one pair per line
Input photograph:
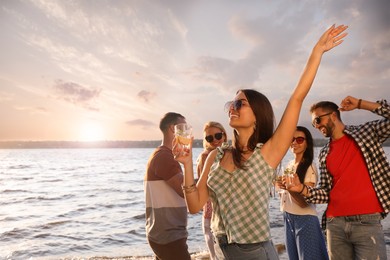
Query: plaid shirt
x,y
240,199
369,137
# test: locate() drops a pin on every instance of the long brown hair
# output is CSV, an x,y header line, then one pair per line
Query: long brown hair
x,y
264,126
308,154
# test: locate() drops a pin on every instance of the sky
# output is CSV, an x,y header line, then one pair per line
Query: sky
x,y
109,70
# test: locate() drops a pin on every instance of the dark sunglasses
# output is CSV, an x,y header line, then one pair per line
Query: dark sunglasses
x,y
299,139
237,104
217,136
317,120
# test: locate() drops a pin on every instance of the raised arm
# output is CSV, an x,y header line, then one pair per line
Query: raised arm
x,y
277,146
350,103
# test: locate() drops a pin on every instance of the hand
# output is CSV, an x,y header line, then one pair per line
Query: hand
x,y
280,184
295,184
331,38
182,153
349,103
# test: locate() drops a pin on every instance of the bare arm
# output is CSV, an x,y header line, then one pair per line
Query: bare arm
x,y
201,160
298,198
350,103
195,198
276,147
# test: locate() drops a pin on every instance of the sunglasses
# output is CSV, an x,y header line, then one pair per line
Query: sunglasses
x,y
317,120
237,104
217,136
298,139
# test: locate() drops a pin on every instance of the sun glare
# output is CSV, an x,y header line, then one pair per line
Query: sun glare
x,y
91,132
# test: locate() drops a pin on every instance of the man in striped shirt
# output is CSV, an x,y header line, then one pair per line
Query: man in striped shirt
x,y
166,211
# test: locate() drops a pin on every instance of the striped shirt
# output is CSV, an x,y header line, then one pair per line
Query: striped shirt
x,y
369,136
240,199
166,211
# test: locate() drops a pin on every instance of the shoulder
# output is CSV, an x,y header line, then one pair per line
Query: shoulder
x,y
204,154
164,152
213,153
202,157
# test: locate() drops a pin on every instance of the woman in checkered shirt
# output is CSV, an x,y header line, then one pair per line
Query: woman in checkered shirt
x,y
237,177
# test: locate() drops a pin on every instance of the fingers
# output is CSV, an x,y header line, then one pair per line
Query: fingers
x,y
339,29
182,153
337,34
331,28
338,40
332,37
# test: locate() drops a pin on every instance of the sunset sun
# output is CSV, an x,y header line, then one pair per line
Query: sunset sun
x,y
91,132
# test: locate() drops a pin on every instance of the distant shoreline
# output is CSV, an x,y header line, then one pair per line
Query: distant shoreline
x,y
106,144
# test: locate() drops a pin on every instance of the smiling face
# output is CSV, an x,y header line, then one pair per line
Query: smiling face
x,y
299,143
242,116
322,121
213,133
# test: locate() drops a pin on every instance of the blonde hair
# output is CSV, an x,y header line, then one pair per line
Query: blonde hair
x,y
206,145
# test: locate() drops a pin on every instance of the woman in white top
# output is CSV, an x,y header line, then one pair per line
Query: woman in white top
x,y
304,238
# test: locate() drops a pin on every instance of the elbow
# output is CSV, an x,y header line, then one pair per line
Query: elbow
x,y
304,205
192,210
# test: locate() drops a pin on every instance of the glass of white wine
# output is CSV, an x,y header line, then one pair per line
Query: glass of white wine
x,y
289,173
183,134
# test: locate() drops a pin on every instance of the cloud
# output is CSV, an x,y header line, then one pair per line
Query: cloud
x,y
146,95
369,23
77,94
140,122
122,56
5,96
269,43
32,110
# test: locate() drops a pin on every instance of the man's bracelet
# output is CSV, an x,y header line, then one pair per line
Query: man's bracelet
x,y
303,188
359,103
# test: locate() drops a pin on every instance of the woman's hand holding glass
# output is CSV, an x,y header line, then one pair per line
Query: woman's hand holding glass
x,y
288,180
278,179
293,183
182,143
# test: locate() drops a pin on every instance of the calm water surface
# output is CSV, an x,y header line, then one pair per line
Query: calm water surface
x,y
64,203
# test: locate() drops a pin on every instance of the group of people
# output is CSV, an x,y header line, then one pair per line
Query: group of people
x,y
234,179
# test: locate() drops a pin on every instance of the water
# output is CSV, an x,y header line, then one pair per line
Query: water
x,y
65,203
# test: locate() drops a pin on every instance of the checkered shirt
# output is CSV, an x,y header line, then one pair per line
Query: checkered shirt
x,y
240,199
369,136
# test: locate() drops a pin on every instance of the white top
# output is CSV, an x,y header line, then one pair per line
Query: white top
x,y
286,200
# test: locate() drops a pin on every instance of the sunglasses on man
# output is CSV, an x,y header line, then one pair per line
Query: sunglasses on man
x,y
217,136
317,120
